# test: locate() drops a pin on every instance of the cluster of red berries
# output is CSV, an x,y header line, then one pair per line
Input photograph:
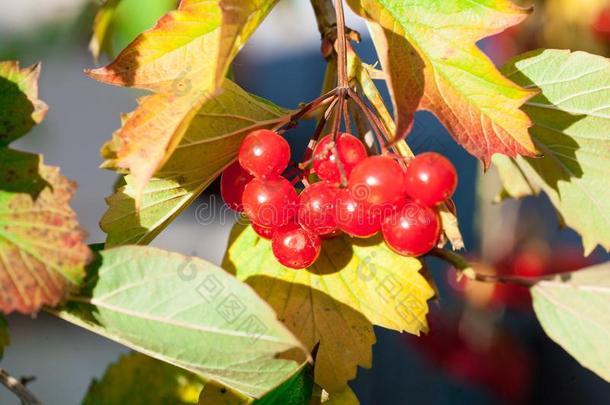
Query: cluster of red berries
x,y
382,193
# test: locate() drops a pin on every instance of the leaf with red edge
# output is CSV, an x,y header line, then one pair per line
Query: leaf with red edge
x,y
42,247
428,51
20,108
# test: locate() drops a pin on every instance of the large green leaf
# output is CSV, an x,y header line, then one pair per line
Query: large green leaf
x,y
334,303
572,128
137,379
209,145
574,310
428,50
186,312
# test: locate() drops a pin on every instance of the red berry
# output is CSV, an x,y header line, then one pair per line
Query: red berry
x,y
378,181
355,218
317,208
265,233
413,230
264,153
431,179
350,151
270,203
296,247
232,183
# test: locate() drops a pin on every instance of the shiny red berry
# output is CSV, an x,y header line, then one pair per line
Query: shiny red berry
x,y
270,203
232,183
265,233
296,247
355,218
264,153
350,151
317,208
378,181
413,230
431,179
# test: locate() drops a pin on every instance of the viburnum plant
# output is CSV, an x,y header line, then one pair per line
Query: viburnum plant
x,y
334,245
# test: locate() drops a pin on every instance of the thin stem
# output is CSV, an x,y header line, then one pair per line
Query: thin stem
x,y
316,135
346,117
465,269
341,45
13,384
335,134
372,118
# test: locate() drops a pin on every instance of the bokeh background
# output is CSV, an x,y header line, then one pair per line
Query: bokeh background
x,y
485,346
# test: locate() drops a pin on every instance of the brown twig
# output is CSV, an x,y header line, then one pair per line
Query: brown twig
x,y
15,386
466,270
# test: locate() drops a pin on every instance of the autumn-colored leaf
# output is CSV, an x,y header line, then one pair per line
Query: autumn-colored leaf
x,y
20,108
210,144
100,40
137,379
195,43
572,128
429,53
42,247
185,58
353,285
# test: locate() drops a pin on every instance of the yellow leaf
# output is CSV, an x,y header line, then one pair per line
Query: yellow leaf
x,y
353,285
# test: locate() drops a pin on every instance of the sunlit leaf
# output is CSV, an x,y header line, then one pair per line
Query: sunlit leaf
x,y
20,108
574,310
137,379
429,53
194,43
345,397
572,128
210,144
186,312
353,285
100,40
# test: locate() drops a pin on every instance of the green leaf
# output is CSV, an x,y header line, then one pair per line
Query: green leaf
x,y
20,108
186,312
354,284
209,145
141,380
571,128
428,50
5,339
295,391
574,310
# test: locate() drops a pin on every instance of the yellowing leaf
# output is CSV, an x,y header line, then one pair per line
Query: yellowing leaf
x,y
574,310
150,135
428,51
572,129
209,145
42,247
195,43
185,58
137,379
20,108
353,285
345,397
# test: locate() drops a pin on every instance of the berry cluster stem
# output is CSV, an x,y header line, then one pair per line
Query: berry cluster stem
x,y
15,386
